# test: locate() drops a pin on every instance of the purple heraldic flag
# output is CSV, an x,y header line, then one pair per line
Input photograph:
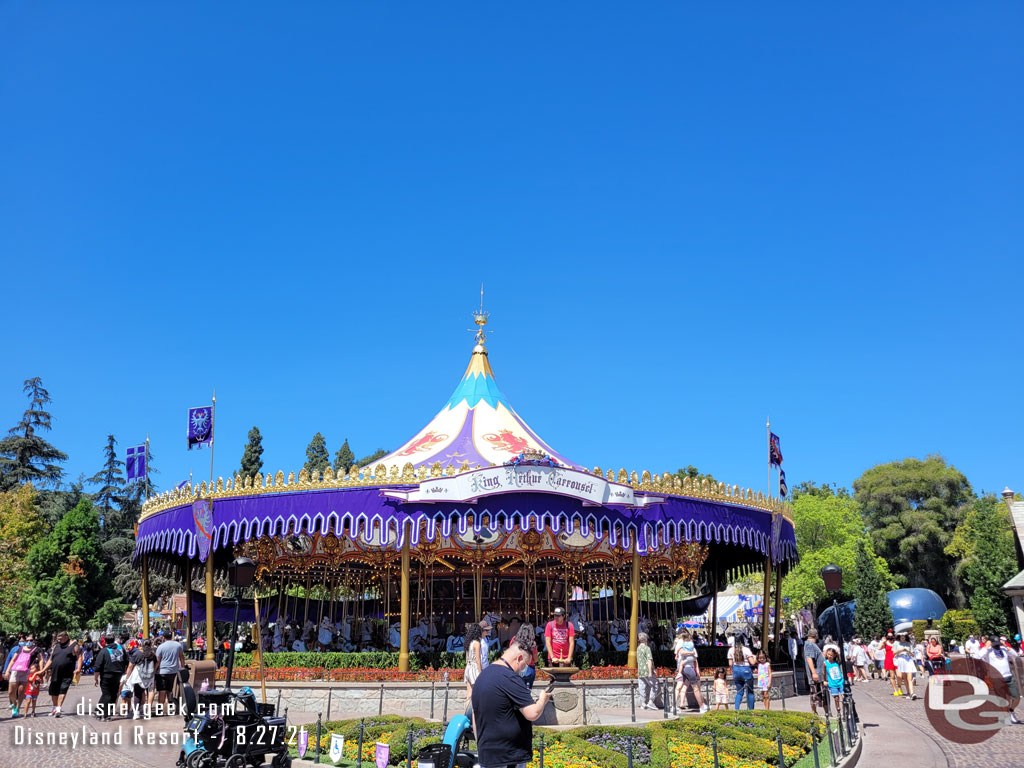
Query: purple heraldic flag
x,y
774,451
200,426
135,463
783,488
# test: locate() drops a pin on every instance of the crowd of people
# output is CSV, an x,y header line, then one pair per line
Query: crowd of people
x,y
133,674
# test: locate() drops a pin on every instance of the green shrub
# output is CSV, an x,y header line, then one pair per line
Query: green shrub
x,y
957,625
331,660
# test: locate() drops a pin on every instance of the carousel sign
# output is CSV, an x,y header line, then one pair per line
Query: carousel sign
x,y
592,490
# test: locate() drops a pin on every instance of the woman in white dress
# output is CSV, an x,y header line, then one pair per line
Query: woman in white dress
x,y
905,667
474,655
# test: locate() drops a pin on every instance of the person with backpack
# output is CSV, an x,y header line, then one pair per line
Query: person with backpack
x,y
109,670
17,670
141,679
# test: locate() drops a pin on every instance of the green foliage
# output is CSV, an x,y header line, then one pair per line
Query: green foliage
x,y
958,625
874,614
111,612
695,474
912,508
984,544
332,660
920,625
380,453
829,530
813,489
25,457
252,456
110,480
344,458
20,528
66,568
317,457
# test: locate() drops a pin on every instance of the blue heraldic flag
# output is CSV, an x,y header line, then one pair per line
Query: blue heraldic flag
x,y
774,451
135,463
783,488
200,426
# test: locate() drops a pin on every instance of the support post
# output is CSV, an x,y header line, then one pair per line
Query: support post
x,y
634,611
778,611
766,603
211,640
188,602
403,648
714,603
145,596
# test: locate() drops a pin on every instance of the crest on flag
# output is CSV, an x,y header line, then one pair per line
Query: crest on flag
x,y
774,451
202,515
303,742
200,426
783,488
135,463
382,754
337,747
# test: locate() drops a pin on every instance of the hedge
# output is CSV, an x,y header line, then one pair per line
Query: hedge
x,y
957,625
329,660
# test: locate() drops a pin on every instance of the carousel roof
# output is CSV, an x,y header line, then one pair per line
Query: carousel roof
x,y
476,427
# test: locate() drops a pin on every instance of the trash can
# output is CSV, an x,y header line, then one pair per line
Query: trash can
x,y
435,756
198,671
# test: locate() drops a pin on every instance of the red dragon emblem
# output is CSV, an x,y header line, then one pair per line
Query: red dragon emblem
x,y
425,443
506,441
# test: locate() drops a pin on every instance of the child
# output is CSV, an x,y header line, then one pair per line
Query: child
x,y
834,678
721,690
32,690
764,679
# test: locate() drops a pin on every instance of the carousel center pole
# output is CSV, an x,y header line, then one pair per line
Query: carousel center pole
x,y
634,612
403,648
145,596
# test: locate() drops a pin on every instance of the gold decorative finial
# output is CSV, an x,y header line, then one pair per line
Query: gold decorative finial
x,y
480,318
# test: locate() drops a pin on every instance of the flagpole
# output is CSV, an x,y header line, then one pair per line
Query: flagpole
x,y
213,419
147,466
768,429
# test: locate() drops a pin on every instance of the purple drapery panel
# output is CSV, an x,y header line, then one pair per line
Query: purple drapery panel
x,y
677,519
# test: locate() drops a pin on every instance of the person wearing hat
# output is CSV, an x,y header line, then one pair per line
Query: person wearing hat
x,y
559,639
1004,659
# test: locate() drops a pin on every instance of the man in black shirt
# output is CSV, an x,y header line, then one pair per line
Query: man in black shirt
x,y
504,710
110,668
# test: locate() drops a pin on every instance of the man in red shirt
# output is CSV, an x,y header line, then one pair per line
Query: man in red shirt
x,y
560,640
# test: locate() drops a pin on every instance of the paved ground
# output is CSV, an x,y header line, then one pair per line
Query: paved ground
x,y
897,732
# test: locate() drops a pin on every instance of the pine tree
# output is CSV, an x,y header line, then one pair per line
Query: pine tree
x,y
873,615
111,484
380,453
317,457
344,458
24,455
252,456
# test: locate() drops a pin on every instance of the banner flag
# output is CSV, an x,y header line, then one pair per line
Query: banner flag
x,y
135,463
774,451
382,755
337,747
200,426
783,488
303,742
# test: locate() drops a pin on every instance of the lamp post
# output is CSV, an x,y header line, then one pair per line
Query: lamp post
x,y
832,575
240,575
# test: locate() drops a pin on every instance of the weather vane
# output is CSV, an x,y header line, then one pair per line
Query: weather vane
x,y
480,318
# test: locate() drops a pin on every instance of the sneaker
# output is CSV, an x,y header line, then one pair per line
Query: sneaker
x,y
913,697
703,709
14,713
1013,718
53,713
57,712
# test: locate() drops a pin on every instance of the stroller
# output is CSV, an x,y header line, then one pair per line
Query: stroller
x,y
228,730
452,752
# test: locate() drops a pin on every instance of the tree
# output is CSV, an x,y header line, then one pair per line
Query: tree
x,y
912,508
110,613
67,571
109,495
813,489
344,458
984,544
829,529
874,614
317,457
380,453
252,456
24,455
20,528
695,474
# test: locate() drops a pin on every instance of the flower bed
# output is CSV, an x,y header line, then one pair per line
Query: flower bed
x,y
242,673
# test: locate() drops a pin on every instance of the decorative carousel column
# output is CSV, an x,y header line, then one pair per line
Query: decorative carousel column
x,y
778,611
210,639
145,596
766,603
187,570
634,611
403,648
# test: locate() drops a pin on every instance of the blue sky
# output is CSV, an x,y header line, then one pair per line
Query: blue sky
x,y
686,220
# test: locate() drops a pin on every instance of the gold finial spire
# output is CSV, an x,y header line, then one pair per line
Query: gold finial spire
x,y
480,318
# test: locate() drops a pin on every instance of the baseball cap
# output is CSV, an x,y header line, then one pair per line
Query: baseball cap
x,y
559,611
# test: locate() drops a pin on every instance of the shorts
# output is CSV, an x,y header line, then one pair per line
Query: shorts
x,y
31,696
14,676
688,675
59,685
817,692
166,682
1011,683
721,698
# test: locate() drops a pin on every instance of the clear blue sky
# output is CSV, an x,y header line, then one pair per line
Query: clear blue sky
x,y
686,221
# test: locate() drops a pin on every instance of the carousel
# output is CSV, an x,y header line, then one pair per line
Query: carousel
x,y
474,516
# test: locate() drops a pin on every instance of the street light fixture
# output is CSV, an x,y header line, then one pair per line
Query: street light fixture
x,y
832,575
241,574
